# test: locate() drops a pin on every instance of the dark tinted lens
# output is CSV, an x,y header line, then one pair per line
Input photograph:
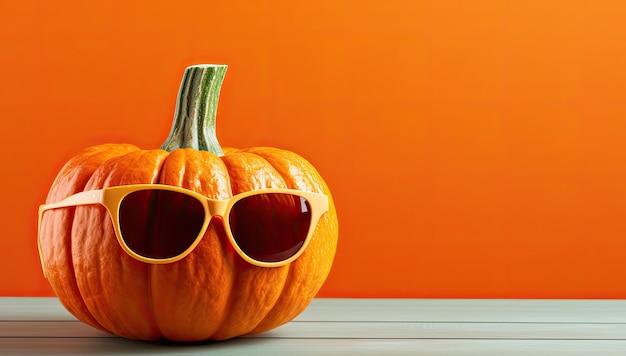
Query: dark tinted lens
x,y
160,223
270,227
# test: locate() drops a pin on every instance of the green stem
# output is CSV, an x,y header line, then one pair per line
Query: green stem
x,y
196,108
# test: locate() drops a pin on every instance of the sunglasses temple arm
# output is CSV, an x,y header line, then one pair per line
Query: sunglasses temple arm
x,y
43,265
82,198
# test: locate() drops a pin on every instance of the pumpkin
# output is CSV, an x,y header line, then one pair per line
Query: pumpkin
x,y
212,293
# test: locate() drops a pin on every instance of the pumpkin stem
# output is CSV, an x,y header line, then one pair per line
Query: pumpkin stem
x,y
196,108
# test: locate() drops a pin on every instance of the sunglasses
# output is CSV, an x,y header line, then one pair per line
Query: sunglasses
x,y
160,224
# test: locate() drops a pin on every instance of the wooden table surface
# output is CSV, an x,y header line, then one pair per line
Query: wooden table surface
x,y
40,326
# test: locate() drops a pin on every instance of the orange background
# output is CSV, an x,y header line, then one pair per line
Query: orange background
x,y
474,148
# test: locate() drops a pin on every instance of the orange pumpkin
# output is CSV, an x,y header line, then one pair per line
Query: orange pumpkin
x,y
210,294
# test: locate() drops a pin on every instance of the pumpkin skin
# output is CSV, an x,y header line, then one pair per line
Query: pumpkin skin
x,y
210,294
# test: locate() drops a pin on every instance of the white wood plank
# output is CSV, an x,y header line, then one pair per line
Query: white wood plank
x,y
448,330
258,346
49,329
33,309
363,330
466,310
444,310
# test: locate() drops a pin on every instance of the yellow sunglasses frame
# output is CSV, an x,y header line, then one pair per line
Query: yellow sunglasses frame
x,y
111,198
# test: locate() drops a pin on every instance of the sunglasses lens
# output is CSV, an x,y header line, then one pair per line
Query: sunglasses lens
x,y
270,227
160,223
